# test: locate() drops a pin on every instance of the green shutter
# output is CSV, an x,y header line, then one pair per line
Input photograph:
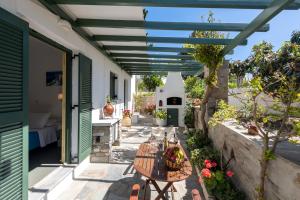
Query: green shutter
x,y
13,107
85,107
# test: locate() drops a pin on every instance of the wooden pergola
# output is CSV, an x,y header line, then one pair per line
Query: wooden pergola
x,y
149,63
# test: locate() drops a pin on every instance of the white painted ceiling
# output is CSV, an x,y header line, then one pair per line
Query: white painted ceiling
x,y
109,12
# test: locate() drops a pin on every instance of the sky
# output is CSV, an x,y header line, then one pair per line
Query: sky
x,y
281,26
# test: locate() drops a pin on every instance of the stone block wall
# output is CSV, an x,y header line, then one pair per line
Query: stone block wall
x,y
221,92
283,180
102,144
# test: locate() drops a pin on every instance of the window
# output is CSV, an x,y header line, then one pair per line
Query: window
x,y
113,86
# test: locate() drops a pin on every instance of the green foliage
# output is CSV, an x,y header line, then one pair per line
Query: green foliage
x,y
232,84
197,139
150,82
239,69
223,189
219,184
161,114
189,115
224,112
208,54
141,86
194,87
295,37
205,153
189,83
269,155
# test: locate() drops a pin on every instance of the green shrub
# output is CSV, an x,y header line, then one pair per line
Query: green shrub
x,y
206,153
197,140
189,115
224,112
161,114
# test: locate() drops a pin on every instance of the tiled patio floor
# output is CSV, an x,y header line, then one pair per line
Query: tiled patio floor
x,y
114,181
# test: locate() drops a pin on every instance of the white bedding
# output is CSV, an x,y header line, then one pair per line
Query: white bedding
x,y
47,135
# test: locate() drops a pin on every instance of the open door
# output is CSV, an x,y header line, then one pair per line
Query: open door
x,y
13,107
85,107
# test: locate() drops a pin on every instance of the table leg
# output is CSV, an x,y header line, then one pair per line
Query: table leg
x,y
156,186
145,189
174,188
161,194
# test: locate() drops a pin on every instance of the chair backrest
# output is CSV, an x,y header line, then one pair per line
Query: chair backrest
x,y
134,195
196,194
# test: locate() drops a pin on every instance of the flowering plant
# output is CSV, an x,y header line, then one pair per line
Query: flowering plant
x,y
150,107
217,181
126,113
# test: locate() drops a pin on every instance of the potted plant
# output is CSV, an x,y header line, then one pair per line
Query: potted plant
x,y
126,121
252,130
161,117
108,109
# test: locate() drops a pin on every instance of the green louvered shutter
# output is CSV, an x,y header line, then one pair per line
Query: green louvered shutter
x,y
13,107
85,107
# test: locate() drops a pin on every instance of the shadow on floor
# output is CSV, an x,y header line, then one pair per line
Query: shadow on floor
x,y
43,161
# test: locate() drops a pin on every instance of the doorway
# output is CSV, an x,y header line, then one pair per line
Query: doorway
x,y
172,114
48,101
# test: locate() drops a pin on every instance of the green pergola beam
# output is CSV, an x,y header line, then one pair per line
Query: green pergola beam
x,y
139,55
177,40
52,7
160,65
150,48
137,61
236,4
275,7
165,70
153,25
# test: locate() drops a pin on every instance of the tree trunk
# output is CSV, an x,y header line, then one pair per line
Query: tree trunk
x,y
263,170
204,102
239,81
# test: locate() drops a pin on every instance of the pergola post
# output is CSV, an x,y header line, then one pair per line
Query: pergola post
x,y
220,92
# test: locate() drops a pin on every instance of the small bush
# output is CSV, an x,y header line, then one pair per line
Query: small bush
x,y
197,140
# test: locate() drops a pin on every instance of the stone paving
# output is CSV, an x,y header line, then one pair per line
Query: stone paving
x,y
113,181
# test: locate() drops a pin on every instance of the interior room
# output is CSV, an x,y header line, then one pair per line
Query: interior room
x,y
45,109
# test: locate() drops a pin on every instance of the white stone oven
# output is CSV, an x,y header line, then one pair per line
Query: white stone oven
x,y
172,98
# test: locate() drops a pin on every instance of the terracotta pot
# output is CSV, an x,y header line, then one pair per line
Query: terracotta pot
x,y
252,130
108,109
126,121
197,102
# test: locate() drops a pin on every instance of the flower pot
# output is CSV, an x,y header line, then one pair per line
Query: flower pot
x,y
108,109
161,122
196,102
126,121
252,130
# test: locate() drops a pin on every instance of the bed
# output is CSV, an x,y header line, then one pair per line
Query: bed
x,y
43,130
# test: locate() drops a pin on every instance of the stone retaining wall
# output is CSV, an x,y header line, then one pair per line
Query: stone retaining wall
x,y
283,181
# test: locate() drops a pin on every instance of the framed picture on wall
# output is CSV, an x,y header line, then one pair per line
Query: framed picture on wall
x,y
54,78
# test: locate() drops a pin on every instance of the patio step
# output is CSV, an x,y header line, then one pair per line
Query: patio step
x,y
52,184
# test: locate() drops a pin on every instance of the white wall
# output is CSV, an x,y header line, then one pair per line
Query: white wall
x,y
43,58
46,23
174,87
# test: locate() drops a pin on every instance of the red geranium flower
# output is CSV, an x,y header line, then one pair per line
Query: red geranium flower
x,y
214,164
206,161
229,173
206,173
208,165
